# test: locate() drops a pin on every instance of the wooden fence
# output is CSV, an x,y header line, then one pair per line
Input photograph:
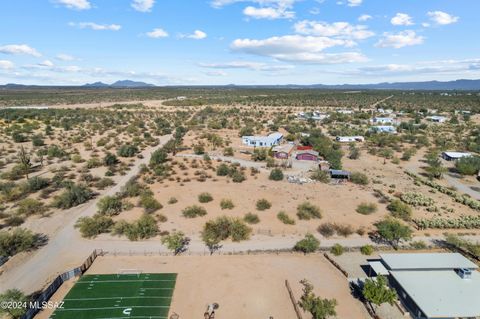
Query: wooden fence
x,y
294,301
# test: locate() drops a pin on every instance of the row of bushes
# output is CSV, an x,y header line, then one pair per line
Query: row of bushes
x,y
462,222
462,199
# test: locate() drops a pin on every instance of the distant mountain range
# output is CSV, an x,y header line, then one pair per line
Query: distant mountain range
x,y
466,85
119,84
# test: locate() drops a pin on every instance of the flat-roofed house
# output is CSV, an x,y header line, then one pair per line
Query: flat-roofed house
x,y
349,139
383,129
436,119
263,141
383,120
433,285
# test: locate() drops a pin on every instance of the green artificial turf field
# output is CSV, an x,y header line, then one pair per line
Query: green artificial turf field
x,y
118,296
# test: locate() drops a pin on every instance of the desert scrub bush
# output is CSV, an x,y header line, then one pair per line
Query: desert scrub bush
x,y
263,204
205,198
320,175
468,165
284,218
359,178
400,210
172,200
104,183
238,177
366,208
337,250
36,183
276,174
462,222
251,218
127,150
367,250
17,241
91,227
131,189
93,163
344,230
74,195
228,151
326,229
307,211
194,211
226,204
223,228
143,228
110,205
149,203
416,199
30,206
223,170
419,245
308,244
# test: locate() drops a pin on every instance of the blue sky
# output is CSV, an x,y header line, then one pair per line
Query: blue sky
x,y
191,42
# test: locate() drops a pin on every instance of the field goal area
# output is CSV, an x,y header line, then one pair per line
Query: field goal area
x,y
128,294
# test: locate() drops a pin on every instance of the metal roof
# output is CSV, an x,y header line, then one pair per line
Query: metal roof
x,y
426,261
379,268
457,154
442,293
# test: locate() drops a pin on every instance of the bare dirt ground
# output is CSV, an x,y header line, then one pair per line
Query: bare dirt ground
x,y
244,286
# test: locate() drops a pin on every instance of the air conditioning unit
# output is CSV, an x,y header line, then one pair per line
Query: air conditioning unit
x,y
464,273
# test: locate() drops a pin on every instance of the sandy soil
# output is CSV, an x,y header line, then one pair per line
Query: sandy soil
x,y
244,286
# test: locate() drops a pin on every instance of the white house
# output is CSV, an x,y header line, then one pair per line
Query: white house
x,y
383,129
263,141
383,120
345,111
349,139
436,119
453,156
316,115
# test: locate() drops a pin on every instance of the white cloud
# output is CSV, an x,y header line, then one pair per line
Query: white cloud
x,y
157,33
75,4
6,65
268,13
143,5
354,3
297,48
280,3
402,19
19,49
442,18
96,26
400,40
64,57
364,17
46,63
216,73
255,66
336,29
196,35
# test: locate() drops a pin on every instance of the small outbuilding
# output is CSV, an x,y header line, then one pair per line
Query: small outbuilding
x,y
350,139
307,155
453,156
283,151
339,174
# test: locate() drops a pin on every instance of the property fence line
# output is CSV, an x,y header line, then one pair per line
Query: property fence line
x,y
294,302
47,293
335,264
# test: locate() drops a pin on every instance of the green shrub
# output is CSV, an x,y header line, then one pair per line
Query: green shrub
x,y
238,177
194,211
228,151
307,211
326,230
110,160
158,157
127,150
309,244
223,170
417,199
74,195
468,165
104,183
366,208
17,241
36,183
226,204
284,218
344,230
367,250
276,174
30,206
172,200
109,205
223,228
320,175
149,203
205,198
251,218
400,210
263,204
359,178
91,227
337,250
145,227
419,245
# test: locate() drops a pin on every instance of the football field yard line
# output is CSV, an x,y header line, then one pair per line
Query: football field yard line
x,y
116,298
